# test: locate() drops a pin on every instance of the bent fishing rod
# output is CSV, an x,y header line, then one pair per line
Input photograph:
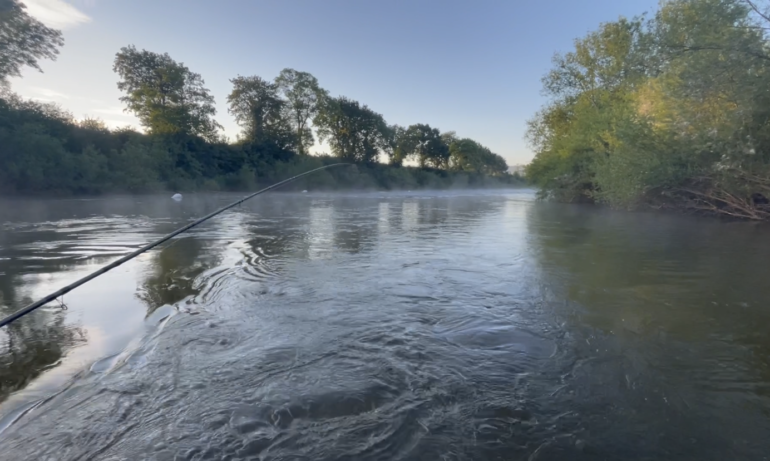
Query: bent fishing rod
x,y
57,294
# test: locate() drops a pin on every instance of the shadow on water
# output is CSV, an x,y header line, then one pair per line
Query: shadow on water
x,y
666,321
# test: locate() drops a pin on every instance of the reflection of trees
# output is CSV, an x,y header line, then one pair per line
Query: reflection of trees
x,y
31,345
174,269
456,213
434,212
649,277
274,230
46,237
34,343
354,237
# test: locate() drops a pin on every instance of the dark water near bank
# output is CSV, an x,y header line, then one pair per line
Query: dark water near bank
x,y
459,326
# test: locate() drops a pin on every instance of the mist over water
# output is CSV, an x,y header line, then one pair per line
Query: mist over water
x,y
380,326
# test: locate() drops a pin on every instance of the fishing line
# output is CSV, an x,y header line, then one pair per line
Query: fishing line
x,y
57,294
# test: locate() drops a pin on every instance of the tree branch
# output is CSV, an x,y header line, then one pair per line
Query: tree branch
x,y
756,10
684,48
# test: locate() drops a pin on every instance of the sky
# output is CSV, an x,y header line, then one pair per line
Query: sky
x,y
473,67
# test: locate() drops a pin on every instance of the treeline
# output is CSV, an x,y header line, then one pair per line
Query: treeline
x,y
44,149
671,111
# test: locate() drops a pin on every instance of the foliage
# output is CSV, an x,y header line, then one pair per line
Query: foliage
x,y
469,156
670,112
355,132
44,150
23,40
394,145
303,97
425,144
260,112
165,95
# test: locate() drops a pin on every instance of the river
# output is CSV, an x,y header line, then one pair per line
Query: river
x,y
383,326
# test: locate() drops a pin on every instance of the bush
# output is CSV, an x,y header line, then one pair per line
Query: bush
x,y
43,150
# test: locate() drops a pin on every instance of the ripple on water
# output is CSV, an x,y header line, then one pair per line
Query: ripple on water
x,y
434,336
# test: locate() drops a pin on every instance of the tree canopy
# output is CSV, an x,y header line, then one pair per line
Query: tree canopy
x,y
668,111
303,97
44,149
470,156
258,109
24,40
165,95
354,132
424,144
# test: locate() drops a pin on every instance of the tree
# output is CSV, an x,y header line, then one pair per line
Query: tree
x,y
449,137
165,95
23,40
256,106
355,132
469,156
671,111
94,124
395,145
495,165
591,91
427,146
303,96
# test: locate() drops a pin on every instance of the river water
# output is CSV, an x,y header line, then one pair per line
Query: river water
x,y
383,326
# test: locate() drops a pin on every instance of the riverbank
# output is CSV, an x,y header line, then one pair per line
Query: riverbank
x,y
364,178
45,152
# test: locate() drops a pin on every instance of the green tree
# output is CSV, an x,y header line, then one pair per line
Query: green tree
x,y
590,90
165,95
427,146
23,40
449,137
399,146
469,156
95,124
259,110
421,143
355,132
303,96
671,111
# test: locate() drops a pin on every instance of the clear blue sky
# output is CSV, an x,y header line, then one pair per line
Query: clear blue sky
x,y
469,66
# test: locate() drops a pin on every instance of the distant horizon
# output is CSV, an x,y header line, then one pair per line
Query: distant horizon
x,y
481,80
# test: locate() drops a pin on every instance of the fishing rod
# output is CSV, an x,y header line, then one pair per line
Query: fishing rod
x,y
57,294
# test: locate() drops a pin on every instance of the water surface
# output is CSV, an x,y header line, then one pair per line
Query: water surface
x,y
447,326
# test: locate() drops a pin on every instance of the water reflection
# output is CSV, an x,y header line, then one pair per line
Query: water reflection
x,y
29,348
46,244
335,291
440,326
173,270
650,274
668,313
320,232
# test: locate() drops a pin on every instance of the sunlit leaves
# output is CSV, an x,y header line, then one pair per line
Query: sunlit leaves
x,y
642,108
